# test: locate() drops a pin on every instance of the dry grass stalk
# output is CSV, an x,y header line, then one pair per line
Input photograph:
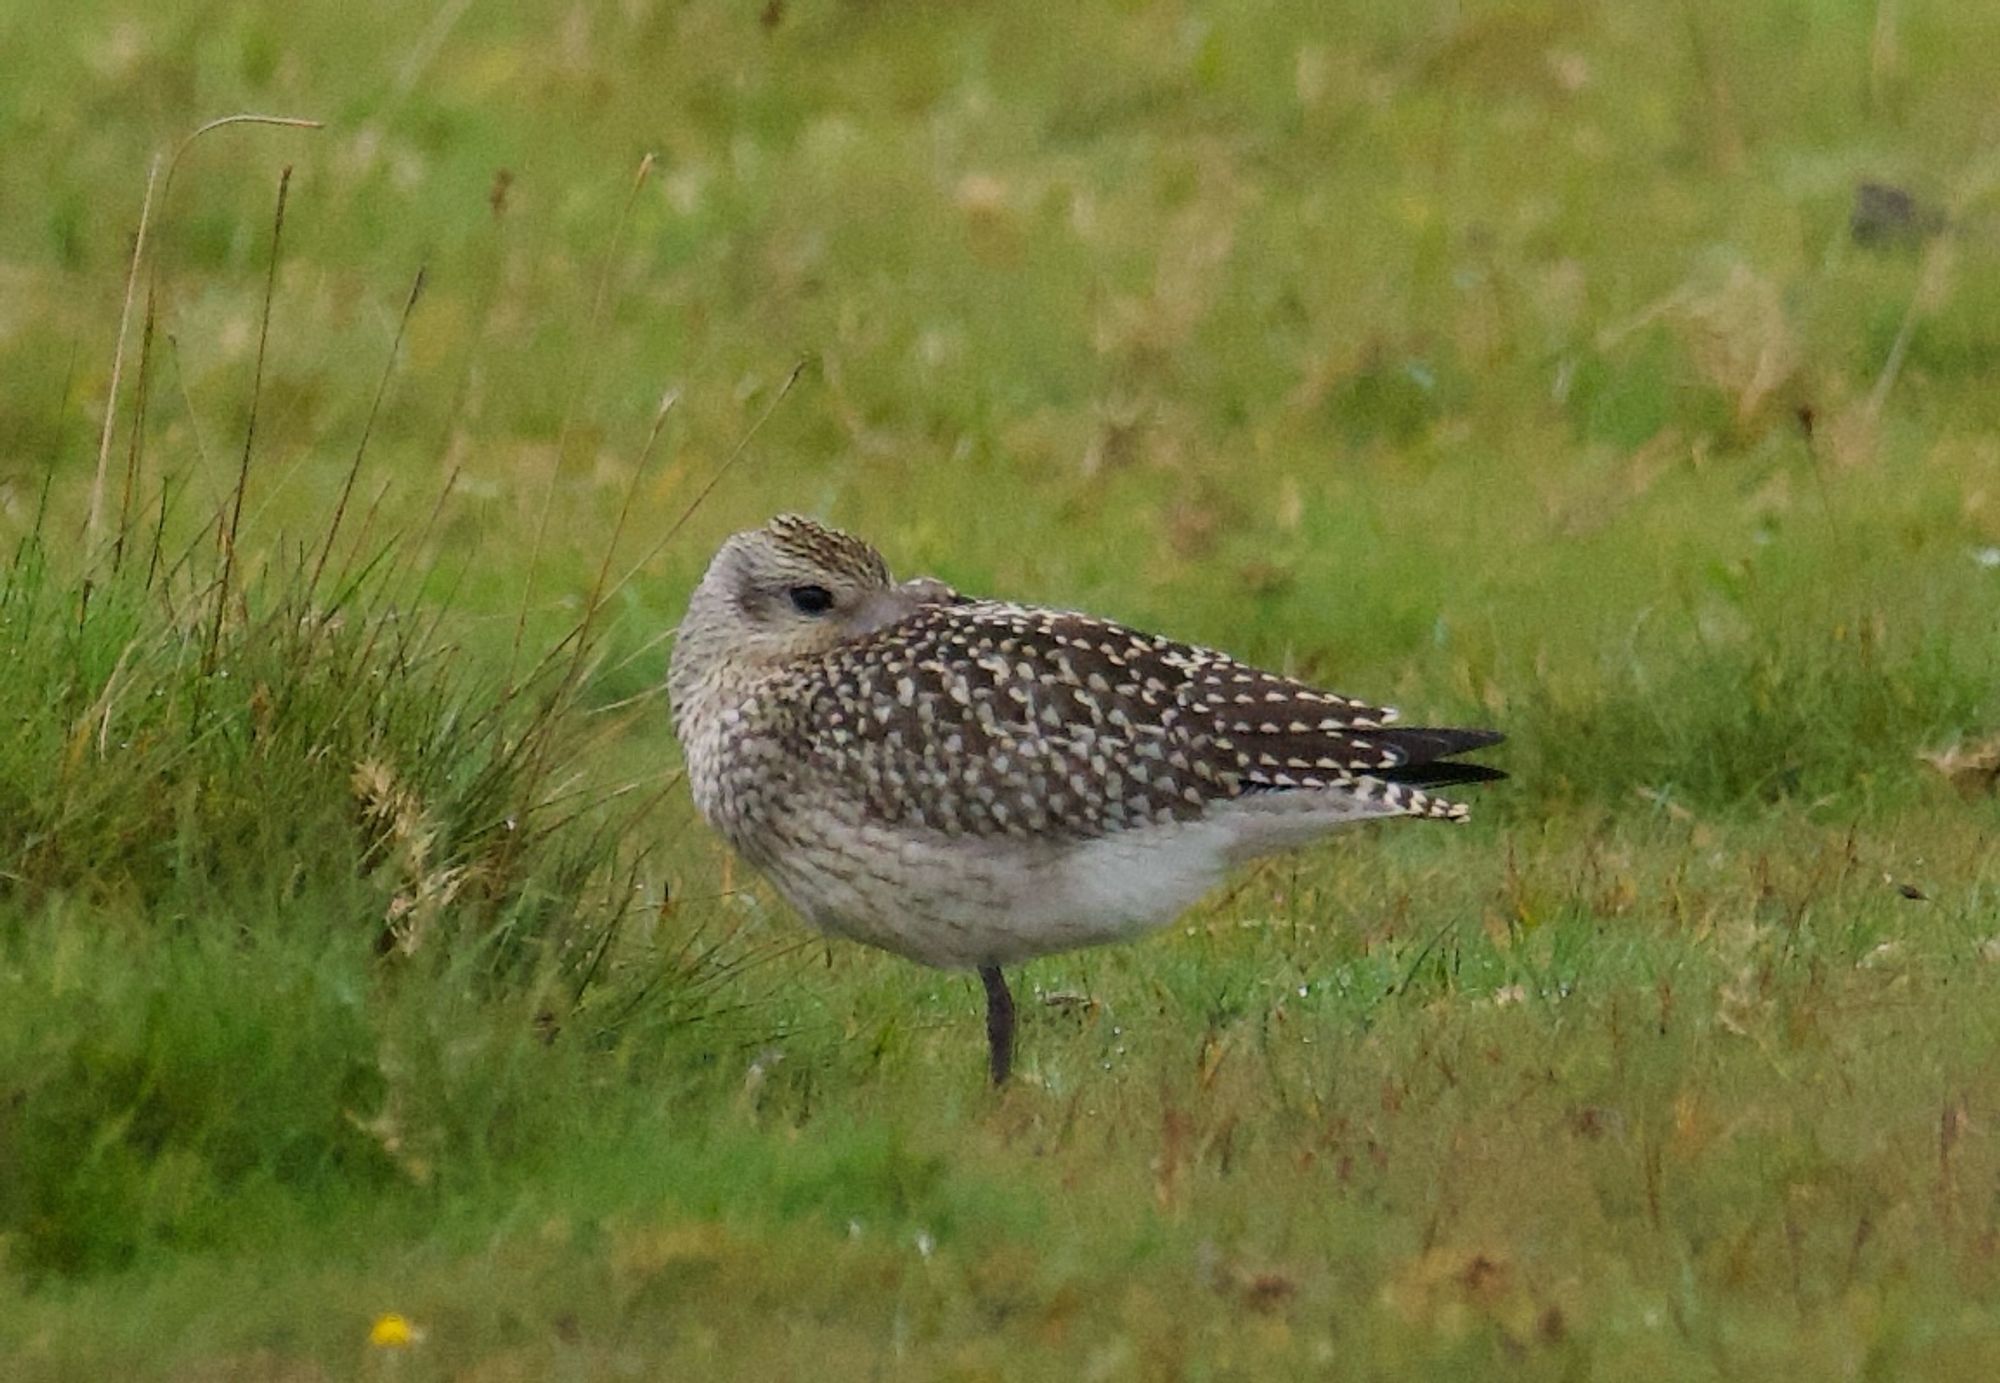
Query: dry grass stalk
x,y
404,833
1971,768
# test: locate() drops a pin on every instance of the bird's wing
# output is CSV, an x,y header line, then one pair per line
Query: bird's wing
x,y
1285,734
983,718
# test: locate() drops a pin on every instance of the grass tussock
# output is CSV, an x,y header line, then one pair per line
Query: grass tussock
x,y
170,751
288,896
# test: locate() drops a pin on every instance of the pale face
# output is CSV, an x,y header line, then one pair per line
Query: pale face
x,y
781,603
787,591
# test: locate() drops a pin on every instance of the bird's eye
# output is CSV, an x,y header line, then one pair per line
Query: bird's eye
x,y
811,600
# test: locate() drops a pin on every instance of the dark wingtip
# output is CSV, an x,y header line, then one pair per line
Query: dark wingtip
x,y
1422,743
1427,752
1441,774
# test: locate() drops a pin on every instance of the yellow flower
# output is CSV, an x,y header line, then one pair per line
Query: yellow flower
x,y
392,1331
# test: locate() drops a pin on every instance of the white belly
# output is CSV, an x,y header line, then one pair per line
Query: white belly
x,y
963,901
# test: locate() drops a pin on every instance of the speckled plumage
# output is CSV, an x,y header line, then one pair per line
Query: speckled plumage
x,y
970,782
981,718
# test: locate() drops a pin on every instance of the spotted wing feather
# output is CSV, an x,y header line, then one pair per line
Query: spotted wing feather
x,y
982,718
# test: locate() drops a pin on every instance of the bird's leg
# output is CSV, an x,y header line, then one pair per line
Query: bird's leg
x,y
999,1022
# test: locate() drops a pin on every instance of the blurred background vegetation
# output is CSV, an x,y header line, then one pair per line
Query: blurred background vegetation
x,y
1615,373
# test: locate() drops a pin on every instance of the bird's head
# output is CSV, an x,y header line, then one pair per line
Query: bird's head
x,y
791,590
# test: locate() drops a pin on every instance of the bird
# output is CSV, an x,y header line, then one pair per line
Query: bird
x,y
971,783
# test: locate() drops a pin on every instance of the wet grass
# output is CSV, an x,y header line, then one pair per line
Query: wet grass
x,y
1527,364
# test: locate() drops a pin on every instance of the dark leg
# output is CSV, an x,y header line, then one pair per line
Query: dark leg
x,y
999,1022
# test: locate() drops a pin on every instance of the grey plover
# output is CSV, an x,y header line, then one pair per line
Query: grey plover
x,y
970,783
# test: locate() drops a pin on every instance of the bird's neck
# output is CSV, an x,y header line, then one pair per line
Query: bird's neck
x,y
703,682
719,701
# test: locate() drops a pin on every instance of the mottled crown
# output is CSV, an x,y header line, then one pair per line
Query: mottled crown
x,y
827,549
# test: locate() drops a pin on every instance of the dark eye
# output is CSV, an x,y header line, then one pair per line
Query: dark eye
x,y
811,600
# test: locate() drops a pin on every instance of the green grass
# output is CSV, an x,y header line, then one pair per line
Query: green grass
x,y
1511,362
